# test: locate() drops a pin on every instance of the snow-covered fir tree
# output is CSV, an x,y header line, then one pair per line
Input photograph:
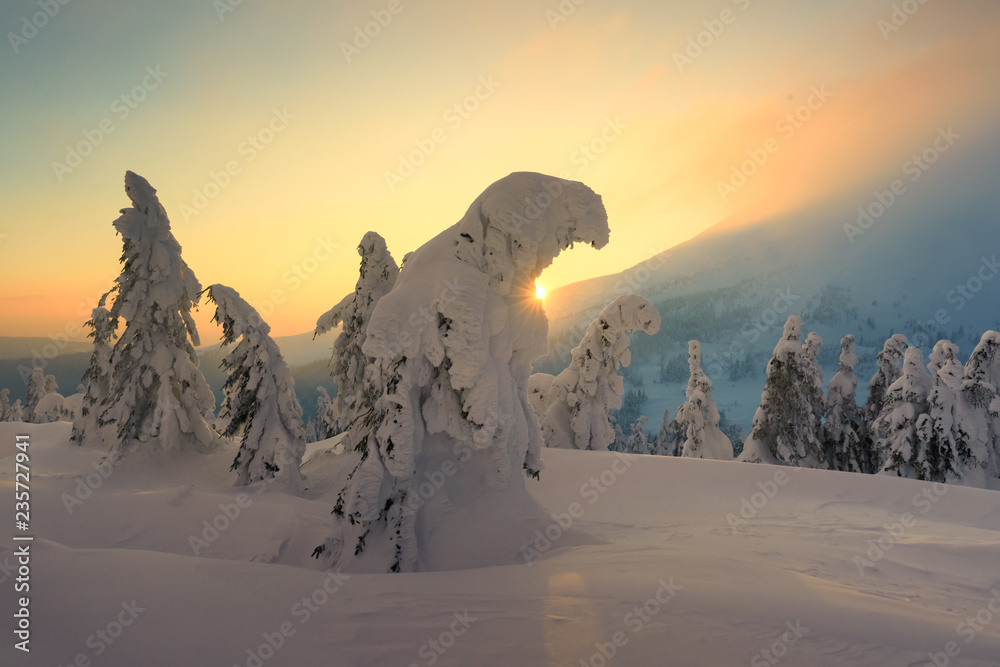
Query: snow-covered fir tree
x,y
157,396
812,372
890,367
259,405
16,413
699,417
4,404
637,441
785,429
670,439
51,386
455,340
981,392
349,363
323,422
951,420
86,428
903,425
35,392
581,395
843,426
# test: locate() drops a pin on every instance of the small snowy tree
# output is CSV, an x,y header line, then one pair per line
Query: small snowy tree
x,y
98,376
904,425
51,386
36,390
637,441
454,341
812,374
981,393
4,404
259,404
670,439
322,422
785,429
16,412
349,362
157,396
699,417
843,427
581,396
890,367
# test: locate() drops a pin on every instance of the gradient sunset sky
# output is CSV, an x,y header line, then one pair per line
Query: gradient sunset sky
x,y
332,122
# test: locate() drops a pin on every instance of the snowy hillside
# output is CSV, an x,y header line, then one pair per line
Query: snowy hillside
x,y
654,560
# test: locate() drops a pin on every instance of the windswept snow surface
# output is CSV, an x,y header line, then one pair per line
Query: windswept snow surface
x,y
664,561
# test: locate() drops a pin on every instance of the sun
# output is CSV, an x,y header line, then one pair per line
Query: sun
x,y
539,291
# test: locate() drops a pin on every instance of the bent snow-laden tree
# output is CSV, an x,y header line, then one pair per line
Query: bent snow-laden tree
x,y
580,397
98,377
843,428
981,392
259,404
785,428
443,452
157,396
349,362
699,416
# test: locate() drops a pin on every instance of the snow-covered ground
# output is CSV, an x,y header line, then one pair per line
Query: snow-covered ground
x,y
656,560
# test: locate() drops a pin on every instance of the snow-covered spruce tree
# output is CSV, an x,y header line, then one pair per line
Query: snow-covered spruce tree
x,y
904,425
812,372
16,412
4,404
581,396
35,392
947,433
157,396
322,421
349,362
539,386
51,386
981,392
699,417
98,376
670,439
443,451
259,405
785,429
637,441
890,367
844,440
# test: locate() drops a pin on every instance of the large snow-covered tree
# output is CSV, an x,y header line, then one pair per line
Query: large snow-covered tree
x,y
86,428
699,415
157,395
671,437
890,367
260,406
580,396
785,428
843,428
903,425
981,392
637,441
443,451
349,363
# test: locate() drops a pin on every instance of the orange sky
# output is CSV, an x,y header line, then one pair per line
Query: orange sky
x,y
597,97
